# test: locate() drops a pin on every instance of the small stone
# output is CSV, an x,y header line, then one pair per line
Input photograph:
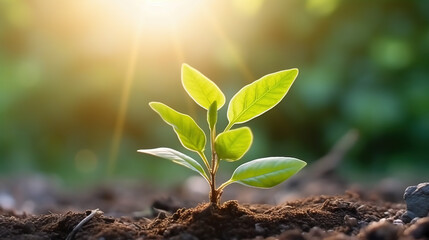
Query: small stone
x,y
398,222
350,221
259,229
414,220
417,200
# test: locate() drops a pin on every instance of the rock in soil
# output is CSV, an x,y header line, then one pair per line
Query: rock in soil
x,y
417,199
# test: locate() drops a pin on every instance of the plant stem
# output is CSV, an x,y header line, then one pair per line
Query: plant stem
x,y
215,194
206,162
223,185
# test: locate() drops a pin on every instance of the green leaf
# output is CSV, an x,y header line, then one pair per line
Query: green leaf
x,y
176,157
267,172
233,144
212,115
260,96
189,133
200,88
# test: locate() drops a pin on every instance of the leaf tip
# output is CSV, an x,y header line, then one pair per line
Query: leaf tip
x,y
185,67
153,105
296,70
302,163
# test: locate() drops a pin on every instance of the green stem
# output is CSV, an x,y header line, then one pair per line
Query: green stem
x,y
206,162
207,178
214,193
215,161
221,187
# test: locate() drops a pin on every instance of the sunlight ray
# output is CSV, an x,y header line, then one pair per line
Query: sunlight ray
x,y
125,95
232,49
177,43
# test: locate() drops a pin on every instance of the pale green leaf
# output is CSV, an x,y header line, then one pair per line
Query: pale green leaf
x,y
233,144
267,172
212,115
176,157
200,88
260,96
189,133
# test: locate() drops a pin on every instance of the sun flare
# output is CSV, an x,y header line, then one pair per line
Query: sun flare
x,y
158,13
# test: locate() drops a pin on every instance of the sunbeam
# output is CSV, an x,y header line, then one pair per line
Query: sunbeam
x,y
125,96
232,49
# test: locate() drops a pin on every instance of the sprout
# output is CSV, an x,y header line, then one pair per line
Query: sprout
x,y
231,144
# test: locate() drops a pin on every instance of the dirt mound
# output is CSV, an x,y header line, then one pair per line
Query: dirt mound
x,y
345,214
321,217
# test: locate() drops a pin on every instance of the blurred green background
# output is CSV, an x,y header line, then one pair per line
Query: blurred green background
x,y
76,78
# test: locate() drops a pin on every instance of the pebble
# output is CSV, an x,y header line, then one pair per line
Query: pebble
x,y
258,228
414,220
417,200
398,222
350,221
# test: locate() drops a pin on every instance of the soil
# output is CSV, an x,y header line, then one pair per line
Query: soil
x,y
347,216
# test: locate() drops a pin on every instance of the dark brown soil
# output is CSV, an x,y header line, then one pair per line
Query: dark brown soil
x,y
321,217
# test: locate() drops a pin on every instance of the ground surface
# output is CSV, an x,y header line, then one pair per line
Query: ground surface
x,y
323,217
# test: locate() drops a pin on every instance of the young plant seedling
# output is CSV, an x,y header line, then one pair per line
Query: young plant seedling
x,y
231,144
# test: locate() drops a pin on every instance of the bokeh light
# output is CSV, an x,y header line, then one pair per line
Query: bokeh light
x,y
76,77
